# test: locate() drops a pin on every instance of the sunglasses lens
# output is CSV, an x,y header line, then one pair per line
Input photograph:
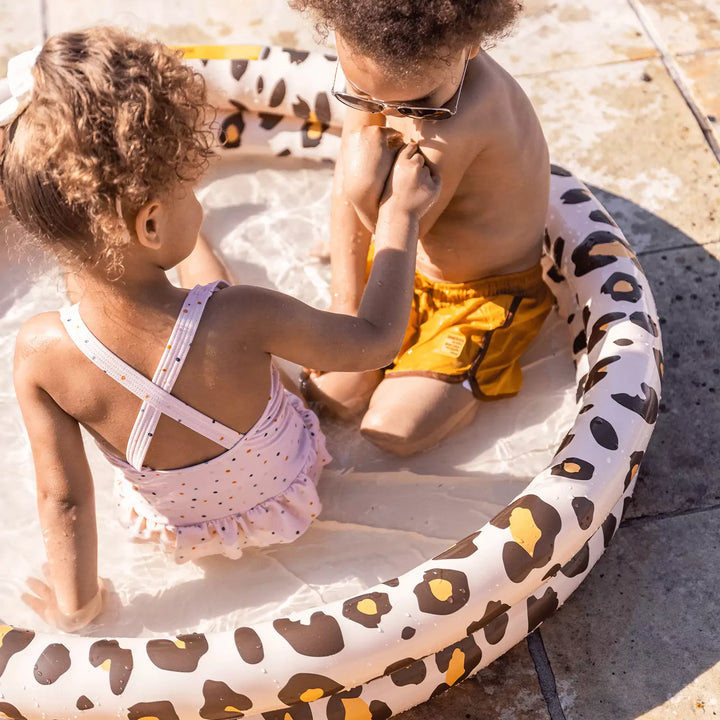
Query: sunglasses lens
x,y
424,113
358,103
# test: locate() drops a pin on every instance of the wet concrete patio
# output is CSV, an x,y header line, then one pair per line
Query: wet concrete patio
x,y
628,92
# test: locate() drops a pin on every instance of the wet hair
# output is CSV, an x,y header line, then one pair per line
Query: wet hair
x,y
114,122
409,33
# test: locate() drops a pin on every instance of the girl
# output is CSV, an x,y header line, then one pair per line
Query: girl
x,y
102,143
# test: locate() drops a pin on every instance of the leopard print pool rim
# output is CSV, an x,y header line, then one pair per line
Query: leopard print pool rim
x,y
410,638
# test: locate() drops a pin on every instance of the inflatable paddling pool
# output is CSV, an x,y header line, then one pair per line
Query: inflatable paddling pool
x,y
396,644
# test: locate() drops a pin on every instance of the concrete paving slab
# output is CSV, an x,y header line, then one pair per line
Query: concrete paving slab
x,y
680,468
686,25
21,25
639,638
562,35
702,72
508,689
209,22
626,129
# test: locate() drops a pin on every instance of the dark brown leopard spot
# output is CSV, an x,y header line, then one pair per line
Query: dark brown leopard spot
x,y
599,371
311,133
297,712
408,632
646,407
540,609
278,94
238,68
320,637
180,655
116,661
367,609
635,460
622,287
565,442
573,468
646,322
406,672
465,548
296,57
560,171
494,622
600,327
608,527
552,572
579,343
393,582
307,687
604,433
584,511
575,196
10,711
12,641
659,362
457,661
221,702
159,710
598,249
442,591
349,705
578,563
249,645
601,217
53,662
231,130
84,703
534,525
269,120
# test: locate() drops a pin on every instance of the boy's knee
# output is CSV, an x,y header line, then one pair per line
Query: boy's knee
x,y
397,438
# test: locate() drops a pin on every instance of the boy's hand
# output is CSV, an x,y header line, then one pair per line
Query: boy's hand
x,y
411,187
368,157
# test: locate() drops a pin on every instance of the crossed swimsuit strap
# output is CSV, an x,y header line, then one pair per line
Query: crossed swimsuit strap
x,y
155,394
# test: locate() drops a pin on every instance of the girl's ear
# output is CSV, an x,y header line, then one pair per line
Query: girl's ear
x,y
147,224
474,50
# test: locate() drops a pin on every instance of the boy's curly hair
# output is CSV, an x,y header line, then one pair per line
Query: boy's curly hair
x,y
407,33
114,122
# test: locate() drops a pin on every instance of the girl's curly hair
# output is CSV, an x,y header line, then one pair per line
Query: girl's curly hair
x,y
114,122
408,33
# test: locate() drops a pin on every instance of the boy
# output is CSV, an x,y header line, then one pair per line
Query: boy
x,y
416,69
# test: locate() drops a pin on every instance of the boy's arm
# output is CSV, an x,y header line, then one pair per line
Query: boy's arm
x,y
349,238
66,505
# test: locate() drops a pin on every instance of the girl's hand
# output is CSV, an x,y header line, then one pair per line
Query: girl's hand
x,y
411,187
42,600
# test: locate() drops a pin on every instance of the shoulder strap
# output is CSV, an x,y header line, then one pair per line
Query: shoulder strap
x,y
155,395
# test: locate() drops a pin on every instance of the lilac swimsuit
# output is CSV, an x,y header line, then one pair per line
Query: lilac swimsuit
x,y
259,492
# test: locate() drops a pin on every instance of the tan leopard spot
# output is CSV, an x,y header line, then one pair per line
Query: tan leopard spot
x,y
367,607
4,630
441,589
106,665
623,286
356,709
312,694
613,248
571,467
524,530
456,668
232,134
181,644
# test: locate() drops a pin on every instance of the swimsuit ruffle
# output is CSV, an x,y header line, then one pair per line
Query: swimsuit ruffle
x,y
281,518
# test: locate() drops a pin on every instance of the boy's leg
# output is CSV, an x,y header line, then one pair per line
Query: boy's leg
x,y
203,266
413,413
342,394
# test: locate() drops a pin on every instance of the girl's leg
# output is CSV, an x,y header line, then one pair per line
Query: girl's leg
x,y
203,266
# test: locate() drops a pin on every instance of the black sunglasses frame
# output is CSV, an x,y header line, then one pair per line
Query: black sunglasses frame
x,y
417,112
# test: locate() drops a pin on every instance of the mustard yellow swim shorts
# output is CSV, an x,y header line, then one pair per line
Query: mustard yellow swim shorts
x,y
474,331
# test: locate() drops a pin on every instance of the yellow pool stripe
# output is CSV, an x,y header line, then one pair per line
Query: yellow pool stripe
x,y
220,52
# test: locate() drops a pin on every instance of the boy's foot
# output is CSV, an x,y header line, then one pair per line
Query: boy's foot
x,y
340,394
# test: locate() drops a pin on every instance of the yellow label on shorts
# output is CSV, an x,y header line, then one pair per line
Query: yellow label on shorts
x,y
453,345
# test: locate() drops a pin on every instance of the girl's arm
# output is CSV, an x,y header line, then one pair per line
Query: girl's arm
x,y
66,506
288,328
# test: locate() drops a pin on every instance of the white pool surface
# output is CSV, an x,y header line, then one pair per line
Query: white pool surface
x,y
382,515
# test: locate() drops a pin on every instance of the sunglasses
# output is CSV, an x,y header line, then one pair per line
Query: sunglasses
x,y
418,112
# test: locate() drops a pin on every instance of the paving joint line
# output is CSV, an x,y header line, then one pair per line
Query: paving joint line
x,y
607,63
545,675
676,74
684,246
644,519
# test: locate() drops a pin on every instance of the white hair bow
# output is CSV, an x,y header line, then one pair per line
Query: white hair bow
x,y
20,84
